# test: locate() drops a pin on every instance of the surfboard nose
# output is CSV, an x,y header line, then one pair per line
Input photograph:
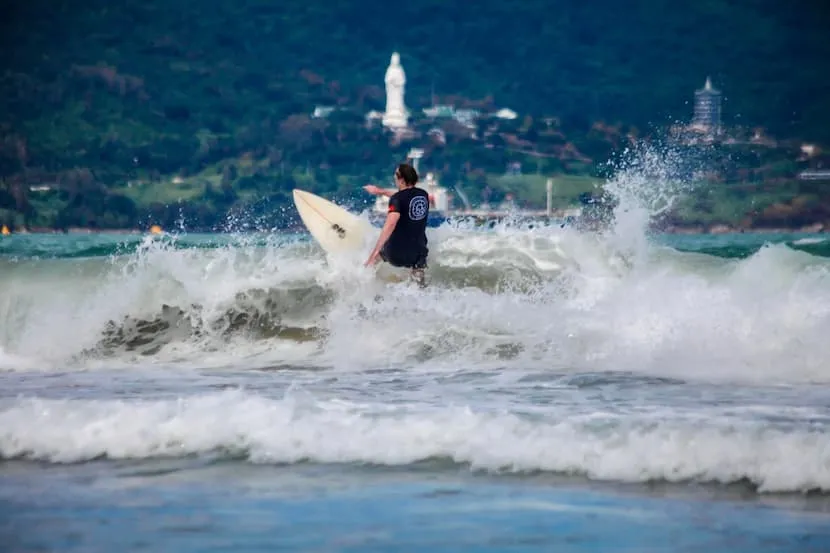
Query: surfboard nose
x,y
297,193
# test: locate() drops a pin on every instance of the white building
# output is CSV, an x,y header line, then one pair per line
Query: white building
x,y
396,114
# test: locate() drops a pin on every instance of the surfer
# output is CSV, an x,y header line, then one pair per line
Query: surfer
x,y
403,239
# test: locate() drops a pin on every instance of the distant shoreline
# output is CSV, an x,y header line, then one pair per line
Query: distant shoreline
x,y
816,228
714,229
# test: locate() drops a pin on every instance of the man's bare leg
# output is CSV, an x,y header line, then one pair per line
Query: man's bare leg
x,y
419,276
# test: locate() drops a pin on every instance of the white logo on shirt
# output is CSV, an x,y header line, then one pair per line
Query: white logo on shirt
x,y
417,208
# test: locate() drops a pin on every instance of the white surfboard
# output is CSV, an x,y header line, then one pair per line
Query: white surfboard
x,y
334,228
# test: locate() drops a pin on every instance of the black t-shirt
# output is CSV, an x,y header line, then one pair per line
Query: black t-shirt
x,y
408,242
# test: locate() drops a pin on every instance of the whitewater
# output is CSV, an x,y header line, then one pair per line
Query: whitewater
x,y
540,359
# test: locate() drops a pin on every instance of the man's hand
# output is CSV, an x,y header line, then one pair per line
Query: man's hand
x,y
373,259
372,189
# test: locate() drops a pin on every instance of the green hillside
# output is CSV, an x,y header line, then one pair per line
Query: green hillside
x,y
109,102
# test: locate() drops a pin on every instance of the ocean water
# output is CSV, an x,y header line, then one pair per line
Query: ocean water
x,y
550,390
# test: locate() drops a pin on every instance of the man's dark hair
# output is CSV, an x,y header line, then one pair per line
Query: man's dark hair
x,y
408,174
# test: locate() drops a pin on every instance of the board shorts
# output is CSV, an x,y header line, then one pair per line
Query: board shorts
x,y
412,261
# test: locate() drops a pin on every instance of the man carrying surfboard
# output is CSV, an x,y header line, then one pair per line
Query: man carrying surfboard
x,y
403,239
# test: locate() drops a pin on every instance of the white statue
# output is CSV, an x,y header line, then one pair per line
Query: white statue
x,y
396,113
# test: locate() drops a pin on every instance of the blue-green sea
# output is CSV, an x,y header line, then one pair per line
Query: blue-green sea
x,y
550,390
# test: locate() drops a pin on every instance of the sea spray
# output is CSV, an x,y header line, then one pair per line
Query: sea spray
x,y
647,181
549,296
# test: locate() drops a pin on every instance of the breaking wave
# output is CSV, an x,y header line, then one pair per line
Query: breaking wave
x,y
544,295
621,446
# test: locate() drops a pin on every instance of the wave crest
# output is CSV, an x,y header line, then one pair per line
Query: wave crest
x,y
603,446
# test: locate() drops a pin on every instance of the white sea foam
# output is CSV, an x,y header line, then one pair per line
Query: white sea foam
x,y
549,296
631,447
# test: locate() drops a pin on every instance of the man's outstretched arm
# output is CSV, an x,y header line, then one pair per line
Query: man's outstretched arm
x,y
389,192
377,191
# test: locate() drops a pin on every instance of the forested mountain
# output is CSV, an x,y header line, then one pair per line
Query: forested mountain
x,y
97,94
